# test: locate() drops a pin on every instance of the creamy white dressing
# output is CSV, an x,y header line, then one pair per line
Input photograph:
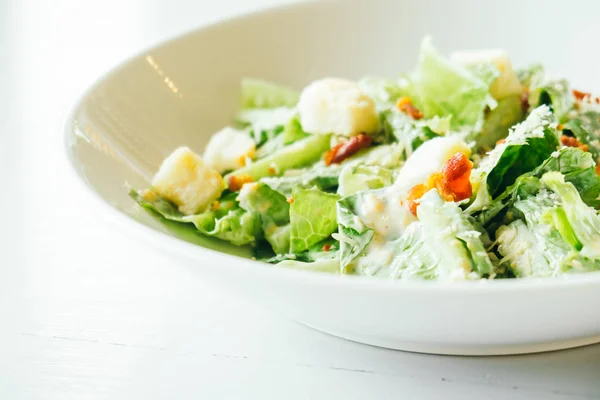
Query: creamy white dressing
x,y
384,213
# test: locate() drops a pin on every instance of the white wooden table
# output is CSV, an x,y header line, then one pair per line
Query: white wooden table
x,y
86,314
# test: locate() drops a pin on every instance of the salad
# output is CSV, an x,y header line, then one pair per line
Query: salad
x,y
464,169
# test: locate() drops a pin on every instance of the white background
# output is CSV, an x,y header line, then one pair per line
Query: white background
x,y
86,313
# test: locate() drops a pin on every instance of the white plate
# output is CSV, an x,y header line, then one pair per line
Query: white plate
x,y
183,90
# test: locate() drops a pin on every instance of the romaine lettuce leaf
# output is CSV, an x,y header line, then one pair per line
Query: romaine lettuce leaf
x,y
413,133
354,235
583,219
274,212
543,90
443,244
264,124
498,121
385,92
528,144
258,93
293,131
454,235
548,234
312,216
227,221
295,155
359,178
586,128
521,250
576,165
446,89
326,178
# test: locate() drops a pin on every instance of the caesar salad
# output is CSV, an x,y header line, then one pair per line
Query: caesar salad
x,y
464,169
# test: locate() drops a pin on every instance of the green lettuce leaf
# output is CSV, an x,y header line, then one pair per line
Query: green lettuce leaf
x,y
312,216
543,90
578,168
521,250
446,89
444,244
354,179
354,235
548,235
326,178
227,222
583,219
385,92
454,234
528,144
295,155
274,212
413,133
507,113
257,93
293,131
586,128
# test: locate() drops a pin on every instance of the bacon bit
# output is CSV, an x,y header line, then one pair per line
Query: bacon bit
x,y
235,182
598,169
501,141
326,247
413,197
579,95
452,182
569,141
340,152
405,105
584,96
216,205
525,99
290,200
456,183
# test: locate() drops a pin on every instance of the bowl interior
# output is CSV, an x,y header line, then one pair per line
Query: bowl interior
x,y
184,90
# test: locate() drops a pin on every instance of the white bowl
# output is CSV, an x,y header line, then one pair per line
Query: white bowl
x,y
183,90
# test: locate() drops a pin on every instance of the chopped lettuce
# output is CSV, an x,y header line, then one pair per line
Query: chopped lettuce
x,y
274,212
548,233
312,216
543,90
445,89
293,131
354,235
298,154
528,144
227,221
413,133
385,92
258,93
583,219
443,244
454,235
326,178
507,113
521,251
586,128
576,165
354,179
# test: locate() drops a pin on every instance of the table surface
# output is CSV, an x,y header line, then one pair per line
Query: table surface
x,y
87,314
